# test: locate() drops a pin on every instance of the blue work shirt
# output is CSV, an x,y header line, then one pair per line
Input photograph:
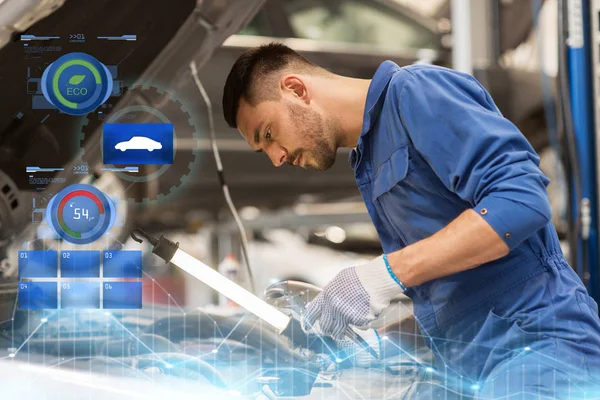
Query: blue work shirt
x,y
434,144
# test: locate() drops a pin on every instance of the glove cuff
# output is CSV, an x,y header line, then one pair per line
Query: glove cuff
x,y
379,284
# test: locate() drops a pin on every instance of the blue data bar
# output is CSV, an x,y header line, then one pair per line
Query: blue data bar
x,y
122,264
80,295
38,264
119,295
80,264
38,295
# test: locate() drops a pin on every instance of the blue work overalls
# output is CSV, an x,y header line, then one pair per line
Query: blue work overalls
x,y
434,144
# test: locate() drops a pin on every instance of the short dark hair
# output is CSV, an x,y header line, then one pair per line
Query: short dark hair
x,y
249,75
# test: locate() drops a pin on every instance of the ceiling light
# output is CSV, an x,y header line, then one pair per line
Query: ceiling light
x,y
335,234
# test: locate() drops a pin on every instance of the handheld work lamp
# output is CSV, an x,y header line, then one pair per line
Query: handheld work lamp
x,y
170,252
284,324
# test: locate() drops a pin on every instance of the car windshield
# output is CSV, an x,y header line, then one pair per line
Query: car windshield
x,y
361,22
357,21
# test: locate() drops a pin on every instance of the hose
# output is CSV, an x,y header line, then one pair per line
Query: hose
x,y
213,141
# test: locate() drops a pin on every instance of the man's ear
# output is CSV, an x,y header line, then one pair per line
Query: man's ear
x,y
294,85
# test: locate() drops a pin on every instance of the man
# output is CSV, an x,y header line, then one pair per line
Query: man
x,y
461,210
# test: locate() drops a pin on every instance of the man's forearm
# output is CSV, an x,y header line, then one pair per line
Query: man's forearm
x,y
465,243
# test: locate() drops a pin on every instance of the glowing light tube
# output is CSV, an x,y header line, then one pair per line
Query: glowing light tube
x,y
231,290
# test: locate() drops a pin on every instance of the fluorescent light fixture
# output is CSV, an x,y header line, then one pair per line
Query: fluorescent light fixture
x,y
335,234
250,213
231,290
170,252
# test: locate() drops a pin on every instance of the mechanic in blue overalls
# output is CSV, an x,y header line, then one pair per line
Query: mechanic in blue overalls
x,y
460,205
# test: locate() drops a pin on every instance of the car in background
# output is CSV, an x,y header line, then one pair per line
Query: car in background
x,y
285,255
353,37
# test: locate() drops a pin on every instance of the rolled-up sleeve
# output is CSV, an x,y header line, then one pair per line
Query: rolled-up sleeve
x,y
476,152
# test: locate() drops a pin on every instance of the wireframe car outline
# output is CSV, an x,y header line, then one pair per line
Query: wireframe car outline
x,y
139,143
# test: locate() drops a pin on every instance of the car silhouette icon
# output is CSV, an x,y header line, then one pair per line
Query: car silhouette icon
x,y
139,143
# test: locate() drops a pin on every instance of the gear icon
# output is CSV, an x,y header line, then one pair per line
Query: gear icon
x,y
152,105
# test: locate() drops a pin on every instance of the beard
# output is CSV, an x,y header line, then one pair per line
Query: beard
x,y
316,146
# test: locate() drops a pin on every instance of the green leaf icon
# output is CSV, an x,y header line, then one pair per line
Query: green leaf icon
x,y
76,79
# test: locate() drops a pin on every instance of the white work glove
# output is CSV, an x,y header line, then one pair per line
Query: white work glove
x,y
356,296
356,354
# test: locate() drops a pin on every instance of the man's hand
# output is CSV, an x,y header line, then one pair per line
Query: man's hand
x,y
356,296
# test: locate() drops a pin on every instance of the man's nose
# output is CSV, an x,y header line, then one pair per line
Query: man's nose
x,y
277,154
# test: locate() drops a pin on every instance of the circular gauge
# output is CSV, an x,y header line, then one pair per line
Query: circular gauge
x,y
80,214
76,83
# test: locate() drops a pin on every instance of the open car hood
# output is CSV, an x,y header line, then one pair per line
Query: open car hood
x,y
170,34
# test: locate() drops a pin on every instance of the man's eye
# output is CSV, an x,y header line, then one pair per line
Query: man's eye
x,y
268,134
